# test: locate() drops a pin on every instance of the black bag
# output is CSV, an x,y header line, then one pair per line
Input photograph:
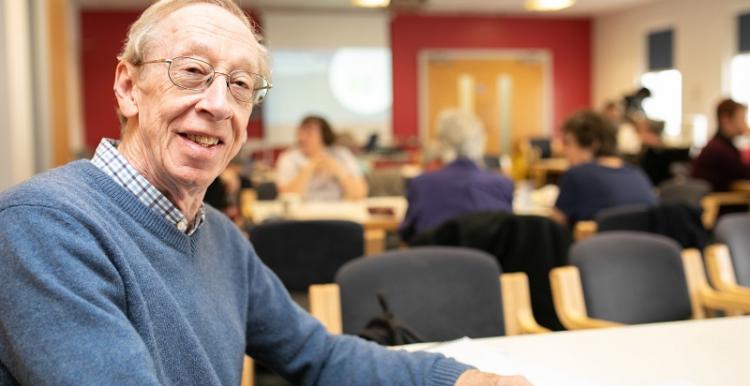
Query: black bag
x,y
386,330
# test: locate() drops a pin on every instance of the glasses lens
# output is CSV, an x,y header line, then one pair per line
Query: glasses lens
x,y
248,87
190,73
261,89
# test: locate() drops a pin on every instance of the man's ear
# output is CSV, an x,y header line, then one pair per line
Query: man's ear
x,y
125,74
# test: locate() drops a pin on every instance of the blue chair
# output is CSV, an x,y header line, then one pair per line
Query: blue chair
x,y
442,293
302,253
623,277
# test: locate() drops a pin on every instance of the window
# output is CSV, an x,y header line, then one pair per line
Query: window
x,y
739,75
740,79
666,99
664,82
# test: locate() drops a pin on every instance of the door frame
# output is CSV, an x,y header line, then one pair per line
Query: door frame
x,y
541,55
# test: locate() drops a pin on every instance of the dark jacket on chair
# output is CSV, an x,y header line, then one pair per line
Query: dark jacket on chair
x,y
530,244
680,222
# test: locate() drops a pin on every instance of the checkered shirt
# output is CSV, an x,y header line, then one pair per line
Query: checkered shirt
x,y
113,163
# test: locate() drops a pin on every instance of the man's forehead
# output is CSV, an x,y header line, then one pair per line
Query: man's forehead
x,y
203,34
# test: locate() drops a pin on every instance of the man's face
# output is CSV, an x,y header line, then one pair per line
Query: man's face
x,y
735,125
188,137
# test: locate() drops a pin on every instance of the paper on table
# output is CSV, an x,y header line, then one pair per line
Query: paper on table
x,y
493,360
489,358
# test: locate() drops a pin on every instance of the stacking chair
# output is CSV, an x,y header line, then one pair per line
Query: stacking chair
x,y
678,221
683,190
442,293
302,253
729,263
713,202
624,277
266,191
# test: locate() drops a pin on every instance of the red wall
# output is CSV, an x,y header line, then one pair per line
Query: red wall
x,y
568,41
102,35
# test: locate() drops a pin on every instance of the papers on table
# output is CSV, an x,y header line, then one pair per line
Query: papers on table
x,y
491,358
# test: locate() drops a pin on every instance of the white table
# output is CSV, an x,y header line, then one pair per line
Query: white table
x,y
713,352
357,211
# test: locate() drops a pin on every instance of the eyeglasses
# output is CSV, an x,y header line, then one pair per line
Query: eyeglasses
x,y
195,74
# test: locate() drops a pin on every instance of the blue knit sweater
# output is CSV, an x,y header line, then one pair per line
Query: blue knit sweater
x,y
97,289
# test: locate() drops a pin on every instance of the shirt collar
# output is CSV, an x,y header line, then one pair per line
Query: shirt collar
x,y
110,161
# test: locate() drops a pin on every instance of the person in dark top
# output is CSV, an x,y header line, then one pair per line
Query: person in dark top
x,y
720,162
461,186
598,178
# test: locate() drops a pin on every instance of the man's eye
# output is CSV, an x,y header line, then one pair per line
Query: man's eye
x,y
194,70
242,82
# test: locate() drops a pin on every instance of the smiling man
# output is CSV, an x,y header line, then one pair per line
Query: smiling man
x,y
112,272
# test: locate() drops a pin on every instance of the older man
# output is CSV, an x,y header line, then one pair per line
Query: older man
x,y
112,272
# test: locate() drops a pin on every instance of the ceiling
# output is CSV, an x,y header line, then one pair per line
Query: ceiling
x,y
581,8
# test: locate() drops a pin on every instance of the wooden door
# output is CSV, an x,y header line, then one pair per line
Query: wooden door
x,y
506,93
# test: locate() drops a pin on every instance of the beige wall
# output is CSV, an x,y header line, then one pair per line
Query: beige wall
x,y
16,135
325,29
705,41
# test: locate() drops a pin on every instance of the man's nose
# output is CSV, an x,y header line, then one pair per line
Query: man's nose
x,y
216,96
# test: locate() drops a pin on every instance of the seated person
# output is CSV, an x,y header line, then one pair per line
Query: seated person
x,y
720,162
317,169
461,186
597,178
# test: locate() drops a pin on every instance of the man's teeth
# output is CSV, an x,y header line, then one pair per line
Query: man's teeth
x,y
203,140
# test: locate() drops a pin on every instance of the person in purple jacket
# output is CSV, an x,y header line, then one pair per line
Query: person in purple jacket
x,y
460,187
114,272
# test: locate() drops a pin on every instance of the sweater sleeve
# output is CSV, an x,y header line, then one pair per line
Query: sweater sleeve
x,y
292,342
62,319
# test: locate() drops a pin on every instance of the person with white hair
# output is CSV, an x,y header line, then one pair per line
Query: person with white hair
x,y
114,272
461,186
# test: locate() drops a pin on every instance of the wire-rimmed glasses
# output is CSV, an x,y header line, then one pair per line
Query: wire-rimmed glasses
x,y
197,75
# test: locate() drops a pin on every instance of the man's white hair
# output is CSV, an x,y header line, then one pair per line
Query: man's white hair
x,y
461,134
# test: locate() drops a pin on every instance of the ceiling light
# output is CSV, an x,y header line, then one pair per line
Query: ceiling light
x,y
371,3
548,5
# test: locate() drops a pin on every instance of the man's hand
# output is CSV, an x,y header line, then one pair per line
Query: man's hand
x,y
478,378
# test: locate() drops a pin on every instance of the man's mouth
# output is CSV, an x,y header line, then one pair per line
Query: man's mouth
x,y
202,140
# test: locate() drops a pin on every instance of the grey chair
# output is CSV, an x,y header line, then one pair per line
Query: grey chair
x,y
442,293
683,190
267,191
631,218
625,277
302,253
679,221
733,230
385,182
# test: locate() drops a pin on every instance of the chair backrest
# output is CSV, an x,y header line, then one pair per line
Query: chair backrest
x,y
520,243
302,253
441,293
680,222
267,191
734,231
386,182
632,277
624,218
683,190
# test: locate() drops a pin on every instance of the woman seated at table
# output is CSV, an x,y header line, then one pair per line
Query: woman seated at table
x,y
461,186
317,169
598,178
